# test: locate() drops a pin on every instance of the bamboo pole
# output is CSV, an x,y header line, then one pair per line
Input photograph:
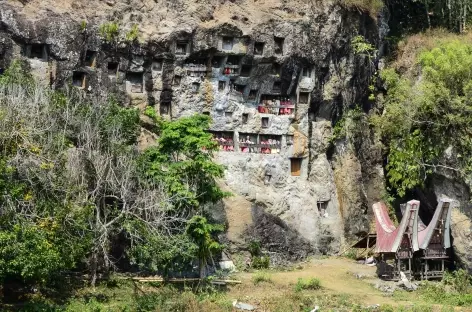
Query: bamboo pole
x,y
180,280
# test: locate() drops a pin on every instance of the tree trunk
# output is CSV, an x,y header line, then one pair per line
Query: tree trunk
x,y
212,261
93,268
94,260
450,14
464,17
426,7
202,268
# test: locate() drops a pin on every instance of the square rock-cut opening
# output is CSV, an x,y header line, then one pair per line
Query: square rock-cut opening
x,y
90,58
259,48
136,81
79,79
112,68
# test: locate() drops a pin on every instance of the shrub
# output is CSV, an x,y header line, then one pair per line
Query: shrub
x,y
439,293
28,254
351,254
109,31
260,262
303,284
459,280
150,112
255,248
261,277
424,117
132,34
201,231
83,25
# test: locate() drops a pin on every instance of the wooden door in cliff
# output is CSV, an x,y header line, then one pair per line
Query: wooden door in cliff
x,y
295,166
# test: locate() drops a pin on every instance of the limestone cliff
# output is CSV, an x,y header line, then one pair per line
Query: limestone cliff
x,y
272,74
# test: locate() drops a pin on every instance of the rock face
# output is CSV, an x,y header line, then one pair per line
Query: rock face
x,y
272,74
445,184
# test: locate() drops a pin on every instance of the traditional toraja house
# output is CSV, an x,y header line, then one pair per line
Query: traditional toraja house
x,y
419,251
413,248
394,244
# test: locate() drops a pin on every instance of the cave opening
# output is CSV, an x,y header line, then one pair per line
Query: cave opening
x,y
303,97
245,71
217,61
245,118
252,95
157,65
112,68
90,58
182,47
164,108
177,80
279,45
276,87
259,48
228,43
36,51
136,81
79,79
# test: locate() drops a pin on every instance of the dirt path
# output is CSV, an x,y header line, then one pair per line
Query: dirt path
x,y
337,276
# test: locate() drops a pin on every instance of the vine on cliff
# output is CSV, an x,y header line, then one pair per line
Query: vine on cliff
x,y
363,48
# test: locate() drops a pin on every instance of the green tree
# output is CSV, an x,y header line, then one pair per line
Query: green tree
x,y
72,183
160,254
182,161
200,231
29,254
424,119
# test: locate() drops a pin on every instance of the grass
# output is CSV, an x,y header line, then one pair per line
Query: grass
x,y
454,290
439,293
267,291
127,296
412,308
261,277
305,284
350,254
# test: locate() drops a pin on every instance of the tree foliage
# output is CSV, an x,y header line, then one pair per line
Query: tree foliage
x,y
29,253
182,161
453,14
426,123
75,192
201,231
413,16
109,31
164,255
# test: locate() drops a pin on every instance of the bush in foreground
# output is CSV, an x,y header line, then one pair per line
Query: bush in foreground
x,y
304,284
261,277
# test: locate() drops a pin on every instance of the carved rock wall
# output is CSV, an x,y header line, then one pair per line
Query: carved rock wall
x,y
276,73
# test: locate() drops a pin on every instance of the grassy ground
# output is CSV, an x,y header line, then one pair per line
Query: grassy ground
x,y
330,284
